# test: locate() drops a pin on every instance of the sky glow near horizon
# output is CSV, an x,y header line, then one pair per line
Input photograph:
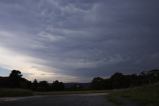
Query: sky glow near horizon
x,y
76,40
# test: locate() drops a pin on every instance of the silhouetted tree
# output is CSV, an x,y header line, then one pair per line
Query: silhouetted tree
x,y
98,83
107,84
15,74
43,86
133,80
153,76
117,80
149,76
15,78
56,85
35,85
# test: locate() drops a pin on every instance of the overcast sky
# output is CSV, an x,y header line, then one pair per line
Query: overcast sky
x,y
76,40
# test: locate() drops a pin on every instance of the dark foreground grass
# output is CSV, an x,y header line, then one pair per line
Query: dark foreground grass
x,y
15,92
147,95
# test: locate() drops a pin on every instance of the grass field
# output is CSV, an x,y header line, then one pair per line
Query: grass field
x,y
14,92
147,95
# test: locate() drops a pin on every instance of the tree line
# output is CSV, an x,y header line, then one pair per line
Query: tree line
x,y
119,80
15,80
116,81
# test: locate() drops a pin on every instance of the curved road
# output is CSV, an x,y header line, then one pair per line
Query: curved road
x,y
98,99
58,100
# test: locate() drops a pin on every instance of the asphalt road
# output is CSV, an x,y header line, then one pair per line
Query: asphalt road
x,y
98,99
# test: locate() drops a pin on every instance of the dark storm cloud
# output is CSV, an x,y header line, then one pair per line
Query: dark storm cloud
x,y
83,38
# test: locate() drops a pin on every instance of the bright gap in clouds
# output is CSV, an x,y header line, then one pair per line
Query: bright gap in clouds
x,y
12,60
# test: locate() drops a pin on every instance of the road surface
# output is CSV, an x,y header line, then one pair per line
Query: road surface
x,y
58,100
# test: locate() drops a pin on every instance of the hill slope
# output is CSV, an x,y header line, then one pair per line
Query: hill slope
x,y
147,95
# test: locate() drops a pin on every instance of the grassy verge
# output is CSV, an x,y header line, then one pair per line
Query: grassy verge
x,y
146,95
114,99
15,92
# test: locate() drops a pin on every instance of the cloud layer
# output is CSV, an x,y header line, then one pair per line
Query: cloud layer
x,y
76,40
